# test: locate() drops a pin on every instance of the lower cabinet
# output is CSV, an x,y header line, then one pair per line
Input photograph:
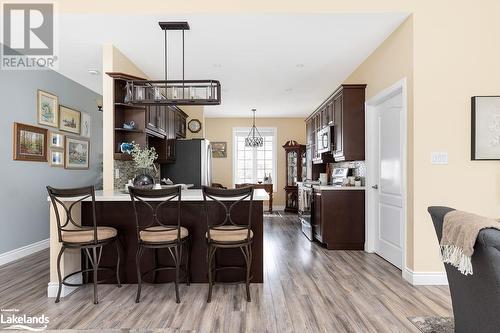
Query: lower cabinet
x,y
338,218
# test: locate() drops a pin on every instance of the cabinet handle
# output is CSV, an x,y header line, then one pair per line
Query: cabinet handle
x,y
375,187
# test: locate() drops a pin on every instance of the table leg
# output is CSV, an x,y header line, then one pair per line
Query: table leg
x,y
271,201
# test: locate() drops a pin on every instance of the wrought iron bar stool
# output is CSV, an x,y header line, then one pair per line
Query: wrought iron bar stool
x,y
88,239
157,234
228,234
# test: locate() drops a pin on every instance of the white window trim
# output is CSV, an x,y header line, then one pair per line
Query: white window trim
x,y
274,130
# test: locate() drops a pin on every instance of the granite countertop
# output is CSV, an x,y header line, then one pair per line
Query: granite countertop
x,y
187,195
338,188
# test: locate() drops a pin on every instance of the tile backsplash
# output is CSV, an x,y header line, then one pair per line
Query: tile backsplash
x,y
128,171
359,167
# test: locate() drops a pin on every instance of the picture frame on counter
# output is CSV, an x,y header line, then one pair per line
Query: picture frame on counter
x,y
76,153
56,158
69,120
85,125
485,128
47,109
219,149
30,143
56,140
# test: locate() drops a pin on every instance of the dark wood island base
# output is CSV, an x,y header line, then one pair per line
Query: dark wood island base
x,y
120,215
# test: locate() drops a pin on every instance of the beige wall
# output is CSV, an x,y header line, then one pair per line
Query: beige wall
x,y
195,112
221,129
389,63
112,61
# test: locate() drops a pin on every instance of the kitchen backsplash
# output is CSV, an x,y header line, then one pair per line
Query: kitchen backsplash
x,y
359,167
128,171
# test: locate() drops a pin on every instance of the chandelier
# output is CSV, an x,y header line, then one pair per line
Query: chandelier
x,y
254,139
173,92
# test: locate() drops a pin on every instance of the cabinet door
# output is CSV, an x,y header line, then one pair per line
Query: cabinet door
x,y
161,119
330,112
317,224
338,152
180,124
171,131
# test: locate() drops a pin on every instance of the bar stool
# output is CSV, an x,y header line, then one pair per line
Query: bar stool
x,y
74,236
228,234
157,234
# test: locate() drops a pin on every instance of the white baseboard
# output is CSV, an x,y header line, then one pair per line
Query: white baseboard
x,y
65,290
425,278
23,251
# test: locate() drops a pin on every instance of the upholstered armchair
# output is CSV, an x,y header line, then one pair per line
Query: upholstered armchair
x,y
475,298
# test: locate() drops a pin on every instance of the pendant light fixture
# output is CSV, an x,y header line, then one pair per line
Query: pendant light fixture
x,y
254,139
173,92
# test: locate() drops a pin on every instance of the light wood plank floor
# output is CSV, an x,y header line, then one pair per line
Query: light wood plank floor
x,y
306,289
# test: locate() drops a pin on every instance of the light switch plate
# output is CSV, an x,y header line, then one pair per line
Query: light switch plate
x,y
439,157
117,173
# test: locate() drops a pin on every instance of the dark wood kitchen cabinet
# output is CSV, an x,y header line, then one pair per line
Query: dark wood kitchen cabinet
x,y
338,218
344,113
156,126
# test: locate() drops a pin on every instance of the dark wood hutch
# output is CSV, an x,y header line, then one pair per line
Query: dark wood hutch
x,y
295,156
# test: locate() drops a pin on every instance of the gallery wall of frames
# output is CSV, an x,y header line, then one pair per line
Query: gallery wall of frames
x,y
62,137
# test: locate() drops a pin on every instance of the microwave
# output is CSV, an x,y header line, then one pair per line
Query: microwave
x,y
324,140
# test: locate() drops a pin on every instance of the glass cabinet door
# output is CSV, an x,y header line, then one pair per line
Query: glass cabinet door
x,y
292,160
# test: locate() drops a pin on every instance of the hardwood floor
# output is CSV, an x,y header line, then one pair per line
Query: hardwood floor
x,y
306,289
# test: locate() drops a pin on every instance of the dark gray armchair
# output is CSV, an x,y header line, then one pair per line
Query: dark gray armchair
x,y
475,298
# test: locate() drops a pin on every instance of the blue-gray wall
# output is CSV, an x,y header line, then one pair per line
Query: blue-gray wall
x,y
24,213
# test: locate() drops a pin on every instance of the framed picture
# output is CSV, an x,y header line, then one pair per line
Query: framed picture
x,y
56,158
219,149
77,153
85,127
30,143
56,140
47,109
485,128
69,120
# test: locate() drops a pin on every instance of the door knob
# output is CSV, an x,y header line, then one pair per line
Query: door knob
x,y
375,187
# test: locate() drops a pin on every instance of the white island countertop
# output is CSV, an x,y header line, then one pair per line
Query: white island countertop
x,y
186,195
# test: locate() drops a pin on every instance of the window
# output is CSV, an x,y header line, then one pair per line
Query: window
x,y
250,165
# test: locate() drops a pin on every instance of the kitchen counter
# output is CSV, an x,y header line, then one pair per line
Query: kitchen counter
x,y
338,188
114,209
186,195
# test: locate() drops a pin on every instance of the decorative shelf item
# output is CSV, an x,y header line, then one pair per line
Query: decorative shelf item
x,y
295,155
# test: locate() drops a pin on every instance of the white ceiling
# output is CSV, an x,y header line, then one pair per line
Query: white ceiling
x,y
285,65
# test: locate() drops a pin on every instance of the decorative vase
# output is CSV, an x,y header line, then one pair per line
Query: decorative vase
x,y
144,180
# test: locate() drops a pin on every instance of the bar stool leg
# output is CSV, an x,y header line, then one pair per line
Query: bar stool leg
x,y
211,252
246,250
94,266
177,269
155,257
117,242
138,256
58,298
188,267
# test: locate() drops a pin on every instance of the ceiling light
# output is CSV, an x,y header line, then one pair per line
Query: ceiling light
x,y
93,71
173,92
299,65
254,139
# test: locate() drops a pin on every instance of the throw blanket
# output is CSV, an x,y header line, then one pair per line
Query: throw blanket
x,y
460,230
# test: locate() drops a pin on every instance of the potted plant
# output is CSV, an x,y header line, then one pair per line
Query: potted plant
x,y
144,162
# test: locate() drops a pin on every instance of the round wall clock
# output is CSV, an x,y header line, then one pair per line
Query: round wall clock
x,y
194,125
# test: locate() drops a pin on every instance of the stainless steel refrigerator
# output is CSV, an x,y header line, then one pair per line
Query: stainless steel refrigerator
x,y
193,163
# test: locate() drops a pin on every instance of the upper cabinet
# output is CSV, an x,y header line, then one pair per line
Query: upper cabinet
x,y
344,114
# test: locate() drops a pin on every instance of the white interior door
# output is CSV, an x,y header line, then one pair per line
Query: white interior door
x,y
388,182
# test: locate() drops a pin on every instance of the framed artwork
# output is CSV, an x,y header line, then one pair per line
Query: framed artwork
x,y
47,109
56,158
30,143
85,127
219,149
77,153
56,140
485,128
69,120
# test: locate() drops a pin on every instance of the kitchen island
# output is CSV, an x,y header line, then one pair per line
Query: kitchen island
x,y
114,209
